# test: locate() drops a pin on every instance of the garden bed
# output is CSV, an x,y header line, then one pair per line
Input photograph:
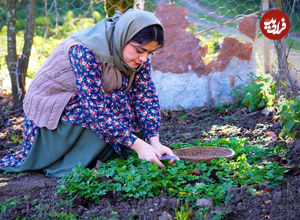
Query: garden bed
x,y
31,195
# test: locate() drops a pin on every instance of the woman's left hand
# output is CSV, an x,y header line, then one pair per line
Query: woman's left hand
x,y
163,150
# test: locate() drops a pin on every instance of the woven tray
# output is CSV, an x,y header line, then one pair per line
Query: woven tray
x,y
203,153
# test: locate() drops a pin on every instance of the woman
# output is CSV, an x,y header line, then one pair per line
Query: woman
x,y
91,95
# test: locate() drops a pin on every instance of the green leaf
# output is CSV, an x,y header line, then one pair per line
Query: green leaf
x,y
2,207
291,134
289,125
251,190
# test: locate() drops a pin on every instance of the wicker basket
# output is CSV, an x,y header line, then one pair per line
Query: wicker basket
x,y
203,153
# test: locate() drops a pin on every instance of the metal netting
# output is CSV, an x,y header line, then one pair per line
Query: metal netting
x,y
210,21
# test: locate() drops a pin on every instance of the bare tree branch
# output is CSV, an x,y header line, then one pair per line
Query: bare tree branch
x,y
46,29
85,13
57,15
293,9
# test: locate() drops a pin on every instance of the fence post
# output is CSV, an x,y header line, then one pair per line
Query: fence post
x,y
266,41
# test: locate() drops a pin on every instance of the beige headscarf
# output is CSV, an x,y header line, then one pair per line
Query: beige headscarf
x,y
108,37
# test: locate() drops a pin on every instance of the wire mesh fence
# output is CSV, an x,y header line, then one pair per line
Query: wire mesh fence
x,y
209,20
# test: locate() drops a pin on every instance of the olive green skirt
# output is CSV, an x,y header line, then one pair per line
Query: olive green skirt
x,y
58,151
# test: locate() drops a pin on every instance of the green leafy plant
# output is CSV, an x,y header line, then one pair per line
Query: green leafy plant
x,y
40,211
62,215
8,203
186,181
258,94
82,182
230,118
131,177
290,118
204,213
183,213
16,138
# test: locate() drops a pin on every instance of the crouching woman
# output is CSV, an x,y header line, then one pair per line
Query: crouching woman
x,y
91,97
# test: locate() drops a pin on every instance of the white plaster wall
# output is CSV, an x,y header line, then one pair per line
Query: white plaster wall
x,y
293,59
188,90
220,82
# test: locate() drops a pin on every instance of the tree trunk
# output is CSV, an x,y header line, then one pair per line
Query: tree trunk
x,y
11,58
282,55
23,60
283,68
17,66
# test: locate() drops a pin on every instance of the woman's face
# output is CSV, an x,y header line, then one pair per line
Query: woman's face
x,y
135,54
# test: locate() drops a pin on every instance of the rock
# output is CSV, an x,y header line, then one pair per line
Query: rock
x,y
163,202
173,203
267,111
296,144
239,206
276,125
277,197
133,213
165,216
204,202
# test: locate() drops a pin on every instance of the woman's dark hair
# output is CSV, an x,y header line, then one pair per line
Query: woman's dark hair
x,y
151,33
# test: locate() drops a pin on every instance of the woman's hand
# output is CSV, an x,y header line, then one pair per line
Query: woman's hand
x,y
162,149
146,152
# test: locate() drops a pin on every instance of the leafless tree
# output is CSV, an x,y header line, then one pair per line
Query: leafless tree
x,y
18,64
283,78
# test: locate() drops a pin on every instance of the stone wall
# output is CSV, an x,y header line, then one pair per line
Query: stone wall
x,y
181,76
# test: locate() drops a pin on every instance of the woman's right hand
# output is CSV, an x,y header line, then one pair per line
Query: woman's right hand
x,y
146,152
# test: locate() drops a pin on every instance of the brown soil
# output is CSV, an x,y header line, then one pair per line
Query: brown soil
x,y
37,197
